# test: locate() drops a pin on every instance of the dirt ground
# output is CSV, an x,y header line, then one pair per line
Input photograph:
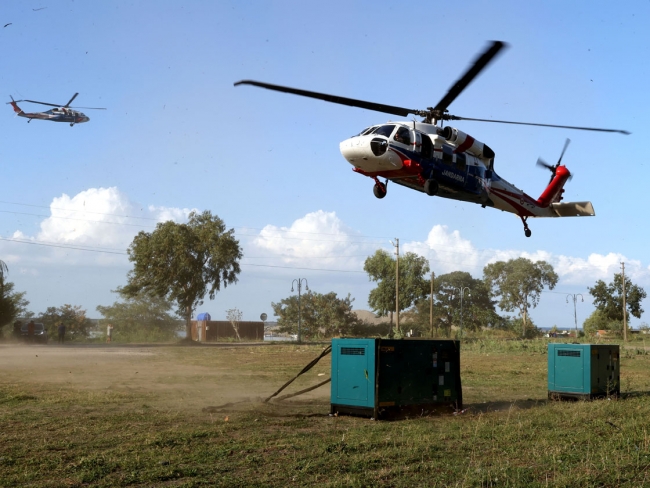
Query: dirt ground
x,y
169,377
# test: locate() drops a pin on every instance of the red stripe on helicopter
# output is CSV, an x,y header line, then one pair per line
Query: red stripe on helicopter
x,y
465,145
516,201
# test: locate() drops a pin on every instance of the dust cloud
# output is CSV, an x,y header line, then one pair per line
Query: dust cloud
x,y
161,376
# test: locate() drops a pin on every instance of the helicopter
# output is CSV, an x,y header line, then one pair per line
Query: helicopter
x,y
61,113
443,160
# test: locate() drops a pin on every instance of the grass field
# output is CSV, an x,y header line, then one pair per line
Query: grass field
x,y
193,416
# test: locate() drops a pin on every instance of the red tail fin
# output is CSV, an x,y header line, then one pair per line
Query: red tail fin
x,y
554,190
17,109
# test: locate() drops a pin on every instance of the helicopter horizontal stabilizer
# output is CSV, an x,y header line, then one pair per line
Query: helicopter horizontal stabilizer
x,y
573,209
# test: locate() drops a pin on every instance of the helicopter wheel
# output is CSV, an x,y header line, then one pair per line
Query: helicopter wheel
x,y
379,190
527,231
431,187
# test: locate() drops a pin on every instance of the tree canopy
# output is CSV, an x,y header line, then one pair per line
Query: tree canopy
x,y
12,303
140,318
518,283
478,307
608,298
183,262
598,320
412,282
77,325
322,315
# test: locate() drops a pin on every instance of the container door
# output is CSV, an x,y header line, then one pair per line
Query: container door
x,y
353,372
569,370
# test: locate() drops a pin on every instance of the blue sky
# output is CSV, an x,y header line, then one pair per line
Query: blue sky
x,y
177,135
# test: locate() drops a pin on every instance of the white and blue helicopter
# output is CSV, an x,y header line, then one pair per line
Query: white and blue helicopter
x,y
60,113
445,161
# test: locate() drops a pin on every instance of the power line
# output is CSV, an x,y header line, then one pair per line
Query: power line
x,y
155,219
89,249
81,220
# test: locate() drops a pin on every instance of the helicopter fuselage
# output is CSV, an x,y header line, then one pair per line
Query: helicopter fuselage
x,y
410,153
62,114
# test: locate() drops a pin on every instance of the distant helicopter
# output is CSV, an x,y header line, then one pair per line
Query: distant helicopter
x,y
61,113
445,161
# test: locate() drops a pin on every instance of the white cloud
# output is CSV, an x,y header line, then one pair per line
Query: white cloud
x,y
448,251
321,240
163,214
99,219
317,240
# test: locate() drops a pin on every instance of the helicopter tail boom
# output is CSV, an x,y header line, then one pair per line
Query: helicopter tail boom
x,y
554,190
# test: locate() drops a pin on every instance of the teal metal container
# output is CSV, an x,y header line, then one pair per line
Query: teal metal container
x,y
388,377
583,370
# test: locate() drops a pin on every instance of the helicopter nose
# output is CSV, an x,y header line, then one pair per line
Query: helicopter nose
x,y
369,153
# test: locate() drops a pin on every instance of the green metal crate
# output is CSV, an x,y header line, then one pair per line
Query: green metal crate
x,y
583,370
387,377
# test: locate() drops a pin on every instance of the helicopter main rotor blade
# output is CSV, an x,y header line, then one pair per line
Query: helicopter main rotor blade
x,y
377,107
41,103
70,101
479,65
455,117
91,108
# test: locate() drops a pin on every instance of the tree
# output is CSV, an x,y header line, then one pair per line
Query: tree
x,y
140,318
412,282
519,284
3,274
77,325
478,307
234,315
12,304
608,299
598,320
183,262
516,326
321,315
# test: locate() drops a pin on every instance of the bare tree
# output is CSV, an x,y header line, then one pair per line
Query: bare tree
x,y
234,315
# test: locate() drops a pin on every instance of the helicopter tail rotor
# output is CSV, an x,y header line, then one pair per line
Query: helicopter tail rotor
x,y
553,168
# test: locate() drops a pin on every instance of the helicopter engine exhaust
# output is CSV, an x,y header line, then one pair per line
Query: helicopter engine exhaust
x,y
466,143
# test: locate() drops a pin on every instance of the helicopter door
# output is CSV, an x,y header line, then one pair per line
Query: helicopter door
x,y
426,148
453,167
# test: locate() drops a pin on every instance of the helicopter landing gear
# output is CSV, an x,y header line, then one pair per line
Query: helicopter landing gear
x,y
431,187
527,231
380,188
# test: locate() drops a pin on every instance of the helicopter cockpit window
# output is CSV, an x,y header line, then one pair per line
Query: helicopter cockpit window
x,y
365,131
402,135
384,130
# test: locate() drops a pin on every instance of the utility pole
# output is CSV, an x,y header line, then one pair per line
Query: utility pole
x,y
461,290
433,275
624,306
299,280
575,316
396,244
